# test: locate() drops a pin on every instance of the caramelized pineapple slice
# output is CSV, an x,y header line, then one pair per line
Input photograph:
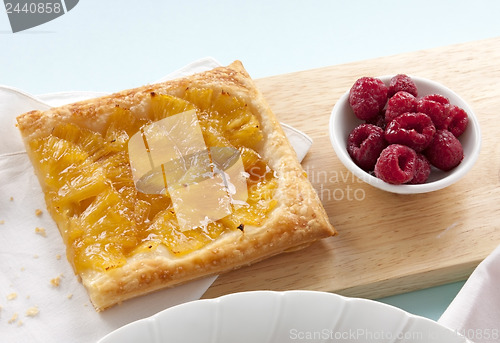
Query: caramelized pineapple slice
x,y
109,235
224,113
122,125
83,186
200,97
122,119
237,123
117,169
211,132
57,158
89,141
241,128
163,106
166,230
223,103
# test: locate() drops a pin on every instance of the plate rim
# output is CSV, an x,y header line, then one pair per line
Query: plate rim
x,y
328,296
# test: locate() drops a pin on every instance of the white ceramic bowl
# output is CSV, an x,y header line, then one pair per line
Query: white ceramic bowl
x,y
343,121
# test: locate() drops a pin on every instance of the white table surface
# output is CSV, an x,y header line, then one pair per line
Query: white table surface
x,y
112,45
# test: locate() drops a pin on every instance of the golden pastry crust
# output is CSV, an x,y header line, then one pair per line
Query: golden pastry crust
x,y
297,220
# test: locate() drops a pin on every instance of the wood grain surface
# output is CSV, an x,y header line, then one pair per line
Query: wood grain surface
x,y
387,243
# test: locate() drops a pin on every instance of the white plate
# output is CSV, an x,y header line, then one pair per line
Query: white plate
x,y
276,317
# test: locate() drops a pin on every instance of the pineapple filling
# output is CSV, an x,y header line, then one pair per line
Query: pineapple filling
x,y
170,156
109,214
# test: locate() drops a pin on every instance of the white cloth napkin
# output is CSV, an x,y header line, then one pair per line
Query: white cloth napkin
x,y
475,311
40,297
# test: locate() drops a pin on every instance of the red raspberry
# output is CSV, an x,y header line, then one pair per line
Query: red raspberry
x,y
437,98
400,103
364,145
457,120
402,82
434,109
422,170
396,164
367,97
415,130
445,151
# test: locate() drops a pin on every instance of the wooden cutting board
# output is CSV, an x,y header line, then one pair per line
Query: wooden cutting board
x,y
387,243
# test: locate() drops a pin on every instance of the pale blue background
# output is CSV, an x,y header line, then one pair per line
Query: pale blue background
x,y
111,45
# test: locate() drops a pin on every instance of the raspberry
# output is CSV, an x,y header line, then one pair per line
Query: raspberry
x,y
445,151
415,130
457,120
400,103
434,109
396,164
367,97
402,82
437,98
364,145
422,170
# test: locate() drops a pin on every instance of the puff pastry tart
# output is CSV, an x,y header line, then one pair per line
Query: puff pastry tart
x,y
166,183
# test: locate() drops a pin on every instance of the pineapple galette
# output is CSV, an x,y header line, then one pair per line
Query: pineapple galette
x,y
166,183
